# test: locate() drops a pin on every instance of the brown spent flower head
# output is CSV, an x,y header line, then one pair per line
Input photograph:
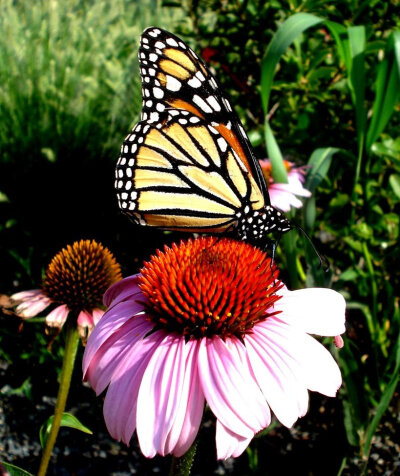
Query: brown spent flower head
x,y
210,286
79,275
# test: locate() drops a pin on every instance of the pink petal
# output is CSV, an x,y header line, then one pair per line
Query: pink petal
x,y
112,320
58,316
32,302
315,310
121,398
97,315
229,387
160,395
121,291
297,188
229,443
85,319
339,342
100,361
28,295
320,371
272,350
191,406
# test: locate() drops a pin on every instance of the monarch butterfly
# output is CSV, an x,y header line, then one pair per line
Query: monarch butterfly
x,y
188,164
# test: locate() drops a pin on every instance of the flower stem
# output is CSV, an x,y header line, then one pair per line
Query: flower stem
x,y
71,347
182,466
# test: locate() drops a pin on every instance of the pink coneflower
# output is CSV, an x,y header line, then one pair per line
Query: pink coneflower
x,y
208,321
283,195
75,281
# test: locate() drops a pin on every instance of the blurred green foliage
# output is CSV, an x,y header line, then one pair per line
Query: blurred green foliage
x,y
71,91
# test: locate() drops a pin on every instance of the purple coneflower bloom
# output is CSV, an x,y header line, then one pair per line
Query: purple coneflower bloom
x,y
284,195
75,281
208,321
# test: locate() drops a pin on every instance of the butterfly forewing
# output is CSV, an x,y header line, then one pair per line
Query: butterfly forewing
x,y
173,76
180,173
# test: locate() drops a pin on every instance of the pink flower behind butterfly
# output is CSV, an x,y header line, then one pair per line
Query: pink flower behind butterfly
x,y
284,195
208,321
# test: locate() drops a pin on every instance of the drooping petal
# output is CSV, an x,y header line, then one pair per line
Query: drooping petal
x,y
32,302
97,315
121,291
273,354
121,399
28,295
112,320
100,361
230,390
85,319
57,316
321,372
228,443
159,395
317,311
191,406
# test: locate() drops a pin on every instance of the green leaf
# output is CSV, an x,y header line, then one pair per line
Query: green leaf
x,y
357,77
287,33
319,163
278,169
15,470
67,420
385,399
387,89
394,181
355,402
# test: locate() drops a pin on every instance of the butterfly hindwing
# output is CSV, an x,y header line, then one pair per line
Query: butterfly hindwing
x,y
180,173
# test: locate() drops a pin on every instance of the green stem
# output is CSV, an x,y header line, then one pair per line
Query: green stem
x,y
182,466
71,347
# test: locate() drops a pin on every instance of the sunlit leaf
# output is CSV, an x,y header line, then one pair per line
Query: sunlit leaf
x,y
319,164
394,181
287,33
279,172
67,420
15,470
387,89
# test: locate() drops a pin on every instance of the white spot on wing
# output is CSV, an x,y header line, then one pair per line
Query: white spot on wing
x,y
173,84
158,93
222,143
213,83
154,117
212,101
194,82
159,44
202,104
227,105
171,42
200,76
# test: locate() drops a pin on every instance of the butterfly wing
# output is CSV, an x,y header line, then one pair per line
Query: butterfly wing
x,y
180,173
173,76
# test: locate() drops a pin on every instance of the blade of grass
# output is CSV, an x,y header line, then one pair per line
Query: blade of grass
x,y
279,172
287,33
387,91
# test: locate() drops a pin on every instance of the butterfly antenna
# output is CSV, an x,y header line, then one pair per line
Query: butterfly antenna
x,y
323,260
